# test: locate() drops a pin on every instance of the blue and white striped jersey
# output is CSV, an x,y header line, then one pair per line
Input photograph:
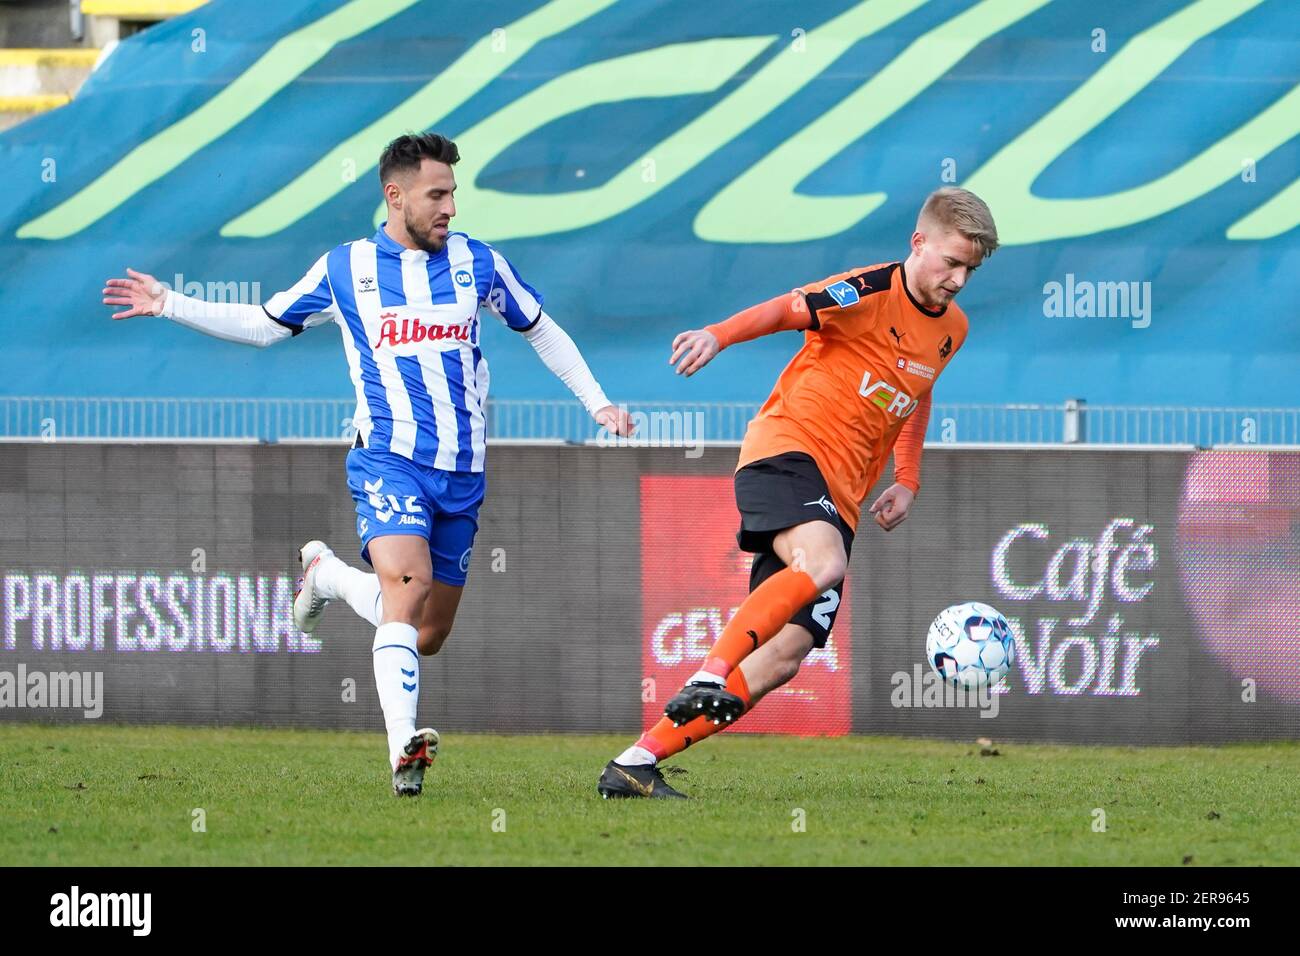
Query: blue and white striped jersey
x,y
411,333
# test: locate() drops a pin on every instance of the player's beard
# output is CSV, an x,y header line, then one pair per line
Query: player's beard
x,y
939,296
428,243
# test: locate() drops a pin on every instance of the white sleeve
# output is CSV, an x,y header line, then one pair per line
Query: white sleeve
x,y
232,321
561,356
308,302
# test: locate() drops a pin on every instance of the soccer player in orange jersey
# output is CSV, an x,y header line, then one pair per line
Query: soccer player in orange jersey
x,y
875,341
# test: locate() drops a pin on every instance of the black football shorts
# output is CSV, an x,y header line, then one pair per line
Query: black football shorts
x,y
778,493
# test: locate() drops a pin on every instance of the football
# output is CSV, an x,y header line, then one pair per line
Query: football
x,y
970,645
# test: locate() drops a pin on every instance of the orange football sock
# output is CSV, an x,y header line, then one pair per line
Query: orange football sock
x,y
768,608
663,739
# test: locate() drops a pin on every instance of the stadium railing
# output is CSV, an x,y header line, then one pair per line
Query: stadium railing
x,y
1073,423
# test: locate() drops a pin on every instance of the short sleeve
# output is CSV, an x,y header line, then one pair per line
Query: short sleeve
x,y
308,302
843,292
509,297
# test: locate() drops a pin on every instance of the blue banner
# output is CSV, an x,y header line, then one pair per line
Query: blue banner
x,y
656,165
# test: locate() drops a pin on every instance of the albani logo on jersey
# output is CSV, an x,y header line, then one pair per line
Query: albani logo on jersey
x,y
413,330
893,400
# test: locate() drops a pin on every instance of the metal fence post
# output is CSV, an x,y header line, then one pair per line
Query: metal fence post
x,y
1072,430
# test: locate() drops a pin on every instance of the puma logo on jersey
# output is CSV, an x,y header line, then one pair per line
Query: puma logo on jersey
x,y
898,336
893,400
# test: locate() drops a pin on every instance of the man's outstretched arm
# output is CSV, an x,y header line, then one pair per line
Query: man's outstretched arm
x,y
696,348
519,306
232,321
558,352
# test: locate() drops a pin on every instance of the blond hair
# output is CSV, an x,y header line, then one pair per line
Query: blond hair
x,y
960,209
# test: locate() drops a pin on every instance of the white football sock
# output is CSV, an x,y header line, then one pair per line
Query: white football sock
x,y
635,756
705,677
397,677
336,579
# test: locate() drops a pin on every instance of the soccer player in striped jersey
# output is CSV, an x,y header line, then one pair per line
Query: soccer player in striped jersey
x,y
875,341
407,303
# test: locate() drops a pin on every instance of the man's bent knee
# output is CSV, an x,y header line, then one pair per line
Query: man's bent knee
x,y
787,670
405,597
795,644
432,637
826,567
830,571
815,548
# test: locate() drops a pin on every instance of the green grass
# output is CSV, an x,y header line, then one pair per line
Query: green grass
x,y
125,796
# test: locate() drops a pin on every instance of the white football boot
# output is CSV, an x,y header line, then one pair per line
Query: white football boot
x,y
308,605
416,757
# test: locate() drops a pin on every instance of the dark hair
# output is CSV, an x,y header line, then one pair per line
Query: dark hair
x,y
410,149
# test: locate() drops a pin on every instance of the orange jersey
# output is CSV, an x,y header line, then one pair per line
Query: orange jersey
x,y
871,355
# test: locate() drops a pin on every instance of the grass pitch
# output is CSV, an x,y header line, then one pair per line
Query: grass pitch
x,y
104,795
